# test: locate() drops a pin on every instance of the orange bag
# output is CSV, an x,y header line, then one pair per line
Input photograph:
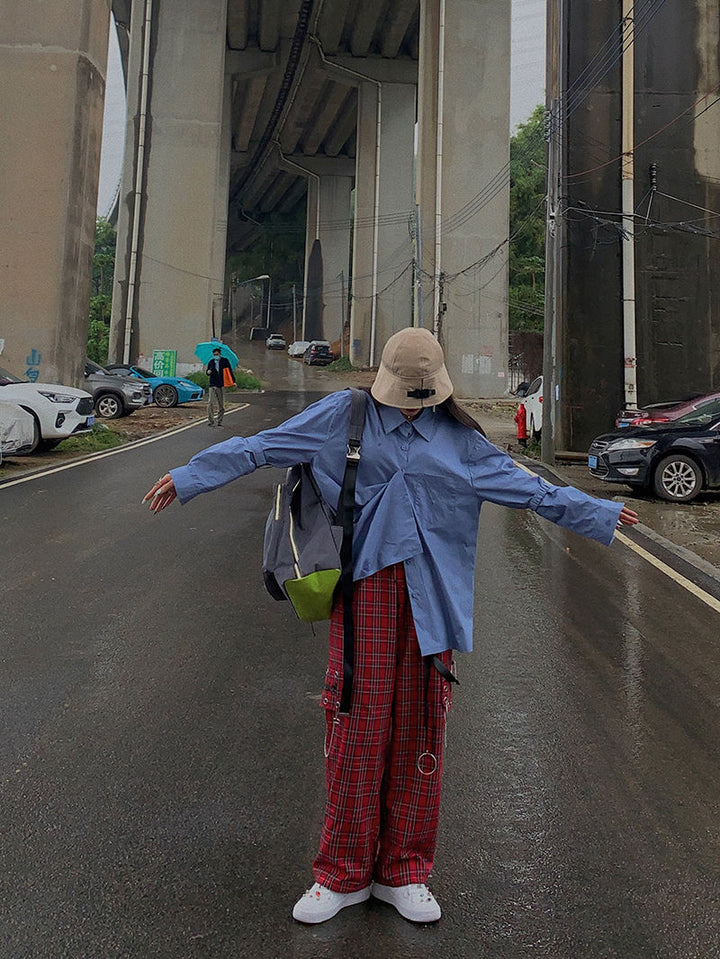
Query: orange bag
x,y
228,378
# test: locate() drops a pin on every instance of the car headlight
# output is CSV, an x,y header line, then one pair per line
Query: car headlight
x,y
630,444
57,397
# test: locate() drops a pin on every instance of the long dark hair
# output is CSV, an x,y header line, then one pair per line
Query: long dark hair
x,y
452,408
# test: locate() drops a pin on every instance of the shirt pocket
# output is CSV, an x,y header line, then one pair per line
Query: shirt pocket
x,y
441,499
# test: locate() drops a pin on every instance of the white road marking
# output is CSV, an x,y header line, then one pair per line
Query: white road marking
x,y
118,449
676,577
669,571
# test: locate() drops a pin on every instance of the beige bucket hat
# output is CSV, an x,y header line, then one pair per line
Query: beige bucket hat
x,y
412,372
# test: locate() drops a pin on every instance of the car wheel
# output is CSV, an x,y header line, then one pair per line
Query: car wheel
x,y
165,395
109,406
47,445
37,436
677,478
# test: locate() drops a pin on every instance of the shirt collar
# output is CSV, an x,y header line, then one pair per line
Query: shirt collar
x,y
391,418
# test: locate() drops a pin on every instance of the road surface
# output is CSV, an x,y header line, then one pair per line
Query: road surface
x,y
161,758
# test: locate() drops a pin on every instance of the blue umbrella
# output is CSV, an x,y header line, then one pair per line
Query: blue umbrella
x,y
204,352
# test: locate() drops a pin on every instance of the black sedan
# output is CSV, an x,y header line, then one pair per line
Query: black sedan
x,y
676,460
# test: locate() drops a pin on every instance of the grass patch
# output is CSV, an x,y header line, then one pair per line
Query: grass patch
x,y
341,365
101,438
244,379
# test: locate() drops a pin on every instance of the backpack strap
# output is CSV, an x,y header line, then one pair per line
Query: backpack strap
x,y
346,517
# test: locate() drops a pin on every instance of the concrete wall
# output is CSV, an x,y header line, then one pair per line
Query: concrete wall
x,y
52,87
181,258
677,281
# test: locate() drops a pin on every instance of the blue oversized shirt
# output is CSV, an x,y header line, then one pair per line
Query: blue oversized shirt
x,y
420,487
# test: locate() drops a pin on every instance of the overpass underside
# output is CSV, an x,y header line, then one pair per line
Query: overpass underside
x,y
254,107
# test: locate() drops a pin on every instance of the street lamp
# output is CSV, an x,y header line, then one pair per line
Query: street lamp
x,y
253,279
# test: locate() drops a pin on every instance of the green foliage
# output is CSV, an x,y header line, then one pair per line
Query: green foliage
x,y
244,379
101,292
101,438
527,224
341,365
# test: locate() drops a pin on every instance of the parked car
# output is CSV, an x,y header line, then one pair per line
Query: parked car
x,y
298,348
115,395
532,400
662,412
676,460
167,391
57,411
17,430
318,353
275,342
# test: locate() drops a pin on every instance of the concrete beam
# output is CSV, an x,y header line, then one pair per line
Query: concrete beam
x,y
344,127
248,99
238,22
373,68
323,166
52,84
244,62
396,26
363,31
325,118
332,23
269,26
310,95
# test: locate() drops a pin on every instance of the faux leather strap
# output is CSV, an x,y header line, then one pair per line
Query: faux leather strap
x,y
346,515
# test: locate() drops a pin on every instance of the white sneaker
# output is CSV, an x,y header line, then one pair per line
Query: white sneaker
x,y
414,902
319,903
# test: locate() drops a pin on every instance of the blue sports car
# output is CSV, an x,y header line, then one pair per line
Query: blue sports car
x,y
167,391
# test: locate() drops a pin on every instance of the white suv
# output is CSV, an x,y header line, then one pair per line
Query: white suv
x,y
58,411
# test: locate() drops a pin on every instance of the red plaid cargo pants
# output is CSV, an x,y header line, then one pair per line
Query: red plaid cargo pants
x,y
381,812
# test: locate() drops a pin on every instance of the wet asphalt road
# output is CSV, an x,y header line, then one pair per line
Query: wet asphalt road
x,y
161,762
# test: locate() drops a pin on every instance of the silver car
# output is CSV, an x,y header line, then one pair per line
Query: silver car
x,y
115,395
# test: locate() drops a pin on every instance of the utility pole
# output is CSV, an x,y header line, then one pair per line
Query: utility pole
x,y
628,205
554,228
294,314
342,313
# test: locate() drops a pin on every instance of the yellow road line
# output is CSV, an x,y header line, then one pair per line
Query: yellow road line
x,y
118,449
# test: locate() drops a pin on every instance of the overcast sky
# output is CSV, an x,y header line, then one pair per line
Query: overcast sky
x,y
526,91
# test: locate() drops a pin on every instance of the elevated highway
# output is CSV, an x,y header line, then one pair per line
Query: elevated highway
x,y
241,108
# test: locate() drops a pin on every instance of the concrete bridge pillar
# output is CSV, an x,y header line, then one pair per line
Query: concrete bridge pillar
x,y
328,221
52,88
384,204
169,286
463,146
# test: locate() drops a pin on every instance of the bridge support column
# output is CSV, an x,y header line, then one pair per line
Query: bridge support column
x,y
328,222
175,287
463,148
384,204
52,87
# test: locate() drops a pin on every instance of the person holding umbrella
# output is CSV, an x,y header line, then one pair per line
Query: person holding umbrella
x,y
216,368
425,470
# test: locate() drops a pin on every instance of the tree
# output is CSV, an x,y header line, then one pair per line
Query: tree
x,y
101,291
528,167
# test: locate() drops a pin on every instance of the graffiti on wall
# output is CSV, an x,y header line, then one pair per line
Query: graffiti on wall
x,y
33,365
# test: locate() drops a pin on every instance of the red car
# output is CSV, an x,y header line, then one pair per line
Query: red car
x,y
666,412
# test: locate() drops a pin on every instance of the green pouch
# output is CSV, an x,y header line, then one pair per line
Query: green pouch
x,y
312,595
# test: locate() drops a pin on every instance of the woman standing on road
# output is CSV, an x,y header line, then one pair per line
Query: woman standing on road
x,y
426,468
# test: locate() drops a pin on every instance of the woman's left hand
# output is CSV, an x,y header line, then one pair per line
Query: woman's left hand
x,y
161,494
627,517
